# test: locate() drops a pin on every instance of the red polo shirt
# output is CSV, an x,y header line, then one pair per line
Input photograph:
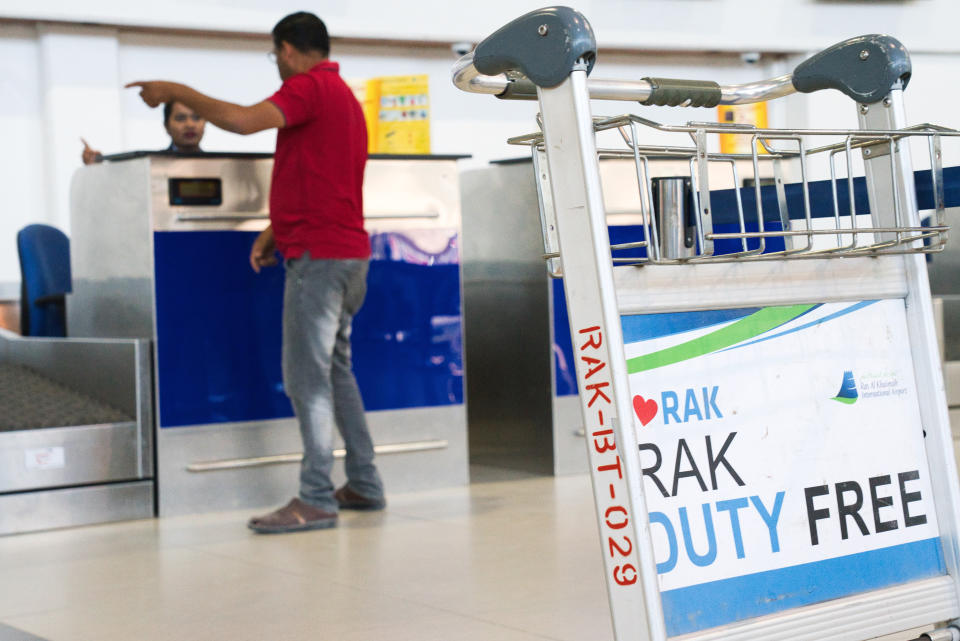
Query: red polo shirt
x,y
316,194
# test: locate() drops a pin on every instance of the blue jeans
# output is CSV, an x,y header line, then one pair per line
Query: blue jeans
x,y
319,301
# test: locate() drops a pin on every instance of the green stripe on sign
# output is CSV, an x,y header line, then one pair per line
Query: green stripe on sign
x,y
746,328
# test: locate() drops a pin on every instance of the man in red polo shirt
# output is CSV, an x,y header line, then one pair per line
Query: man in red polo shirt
x,y
316,223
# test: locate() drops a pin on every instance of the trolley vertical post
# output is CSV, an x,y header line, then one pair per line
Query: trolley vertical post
x,y
600,365
889,170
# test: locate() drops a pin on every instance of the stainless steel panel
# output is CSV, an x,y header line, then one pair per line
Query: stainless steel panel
x,y
107,369
507,333
60,456
398,195
951,376
937,304
944,271
621,196
951,325
111,251
246,193
944,267
297,457
955,424
115,371
185,492
111,307
48,509
569,440
109,207
425,469
401,195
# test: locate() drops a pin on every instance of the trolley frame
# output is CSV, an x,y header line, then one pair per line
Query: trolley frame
x,y
548,54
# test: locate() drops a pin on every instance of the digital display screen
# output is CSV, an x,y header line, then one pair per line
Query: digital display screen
x,y
206,192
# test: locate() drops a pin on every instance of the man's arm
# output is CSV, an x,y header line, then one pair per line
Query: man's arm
x,y
226,115
89,156
262,252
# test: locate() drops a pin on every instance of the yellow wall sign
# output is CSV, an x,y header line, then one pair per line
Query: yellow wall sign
x,y
753,114
397,109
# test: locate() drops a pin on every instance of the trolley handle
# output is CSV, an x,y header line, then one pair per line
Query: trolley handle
x,y
865,68
541,48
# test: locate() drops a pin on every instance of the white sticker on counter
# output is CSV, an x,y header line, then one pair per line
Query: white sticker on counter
x,y
45,458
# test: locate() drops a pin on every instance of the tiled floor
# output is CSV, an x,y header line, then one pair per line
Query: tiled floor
x,y
502,560
511,561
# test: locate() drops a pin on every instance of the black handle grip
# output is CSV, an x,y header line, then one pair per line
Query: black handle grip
x,y
688,93
519,89
543,45
865,68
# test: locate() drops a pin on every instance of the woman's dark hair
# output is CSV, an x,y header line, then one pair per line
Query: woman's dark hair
x,y
305,31
167,110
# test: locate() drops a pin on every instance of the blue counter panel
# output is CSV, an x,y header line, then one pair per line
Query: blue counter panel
x,y
724,203
219,329
407,340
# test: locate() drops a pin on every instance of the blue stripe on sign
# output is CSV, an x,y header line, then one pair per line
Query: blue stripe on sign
x,y
709,605
641,327
814,323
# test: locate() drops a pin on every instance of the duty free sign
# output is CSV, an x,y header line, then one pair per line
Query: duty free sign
x,y
782,455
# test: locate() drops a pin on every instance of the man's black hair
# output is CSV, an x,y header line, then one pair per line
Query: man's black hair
x,y
167,110
305,31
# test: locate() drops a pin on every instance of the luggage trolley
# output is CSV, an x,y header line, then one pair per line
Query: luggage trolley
x,y
759,377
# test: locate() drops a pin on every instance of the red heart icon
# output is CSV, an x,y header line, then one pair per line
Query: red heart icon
x,y
646,409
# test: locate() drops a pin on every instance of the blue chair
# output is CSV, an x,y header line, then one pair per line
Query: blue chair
x,y
44,280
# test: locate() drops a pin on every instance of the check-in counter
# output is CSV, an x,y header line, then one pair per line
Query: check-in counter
x,y
160,246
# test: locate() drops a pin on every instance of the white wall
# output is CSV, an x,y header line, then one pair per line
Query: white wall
x,y
63,81
732,25
21,129
228,68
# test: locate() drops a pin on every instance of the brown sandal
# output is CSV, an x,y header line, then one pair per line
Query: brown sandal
x,y
347,499
295,516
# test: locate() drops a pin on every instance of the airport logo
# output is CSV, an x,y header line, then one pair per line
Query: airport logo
x,y
848,390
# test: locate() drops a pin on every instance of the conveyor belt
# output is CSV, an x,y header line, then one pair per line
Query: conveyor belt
x,y
30,401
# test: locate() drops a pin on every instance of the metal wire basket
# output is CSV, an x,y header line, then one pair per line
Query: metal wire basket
x,y
783,228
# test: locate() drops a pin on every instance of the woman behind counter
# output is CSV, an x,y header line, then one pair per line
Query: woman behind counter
x,y
184,127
